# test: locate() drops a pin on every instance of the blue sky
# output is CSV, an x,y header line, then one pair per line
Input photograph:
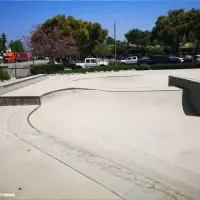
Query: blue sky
x,y
18,17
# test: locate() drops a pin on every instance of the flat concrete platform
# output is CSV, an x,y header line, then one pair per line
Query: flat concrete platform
x,y
118,135
111,80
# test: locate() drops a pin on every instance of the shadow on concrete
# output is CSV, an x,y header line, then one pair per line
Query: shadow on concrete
x,y
187,106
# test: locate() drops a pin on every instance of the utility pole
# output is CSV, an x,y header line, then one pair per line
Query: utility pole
x,y
115,41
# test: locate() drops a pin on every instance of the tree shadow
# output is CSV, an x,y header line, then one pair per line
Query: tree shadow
x,y
187,106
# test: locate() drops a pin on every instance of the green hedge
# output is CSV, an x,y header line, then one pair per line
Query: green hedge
x,y
173,66
113,63
46,68
4,75
53,69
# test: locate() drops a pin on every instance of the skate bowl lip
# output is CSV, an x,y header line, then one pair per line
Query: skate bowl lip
x,y
190,86
37,100
131,90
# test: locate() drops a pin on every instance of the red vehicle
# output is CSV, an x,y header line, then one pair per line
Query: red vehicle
x,y
16,57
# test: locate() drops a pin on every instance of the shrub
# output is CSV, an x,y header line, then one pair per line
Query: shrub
x,y
52,69
156,50
173,66
112,63
4,75
143,67
46,68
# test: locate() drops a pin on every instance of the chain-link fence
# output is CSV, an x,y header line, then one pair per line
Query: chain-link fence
x,y
17,72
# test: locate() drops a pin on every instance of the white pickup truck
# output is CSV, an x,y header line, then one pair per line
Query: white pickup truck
x,y
91,62
129,61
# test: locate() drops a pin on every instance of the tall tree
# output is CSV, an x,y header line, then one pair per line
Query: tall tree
x,y
86,34
102,50
52,44
192,27
3,41
110,40
16,46
170,30
138,37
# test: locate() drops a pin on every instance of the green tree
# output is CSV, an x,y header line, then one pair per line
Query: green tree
x,y
86,34
102,50
156,50
138,37
110,40
16,46
3,41
170,30
192,27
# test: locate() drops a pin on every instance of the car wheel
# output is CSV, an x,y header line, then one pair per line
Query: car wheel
x,y
102,65
78,67
122,63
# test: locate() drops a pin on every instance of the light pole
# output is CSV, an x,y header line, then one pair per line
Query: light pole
x,y
115,40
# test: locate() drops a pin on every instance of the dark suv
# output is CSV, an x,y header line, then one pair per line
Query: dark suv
x,y
159,59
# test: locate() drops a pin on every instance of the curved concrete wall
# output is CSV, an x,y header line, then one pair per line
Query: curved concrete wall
x,y
191,86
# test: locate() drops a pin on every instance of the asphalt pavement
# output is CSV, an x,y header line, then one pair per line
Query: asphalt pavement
x,y
22,68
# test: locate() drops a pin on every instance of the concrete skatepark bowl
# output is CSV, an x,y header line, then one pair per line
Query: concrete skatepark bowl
x,y
134,137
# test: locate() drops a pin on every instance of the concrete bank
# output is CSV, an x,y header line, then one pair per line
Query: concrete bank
x,y
20,100
30,173
122,181
191,88
20,83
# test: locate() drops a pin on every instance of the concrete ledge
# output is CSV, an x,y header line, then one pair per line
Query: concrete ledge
x,y
191,86
8,87
24,100
38,100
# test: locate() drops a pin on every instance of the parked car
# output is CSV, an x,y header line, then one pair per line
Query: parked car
x,y
53,62
160,59
178,59
129,61
187,58
197,59
91,62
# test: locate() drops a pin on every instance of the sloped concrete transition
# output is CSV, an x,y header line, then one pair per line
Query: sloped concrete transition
x,y
134,140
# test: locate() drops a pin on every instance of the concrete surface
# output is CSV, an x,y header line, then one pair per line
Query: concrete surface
x,y
38,175
133,136
128,80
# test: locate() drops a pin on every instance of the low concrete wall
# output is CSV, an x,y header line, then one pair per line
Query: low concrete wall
x,y
8,87
191,86
23,100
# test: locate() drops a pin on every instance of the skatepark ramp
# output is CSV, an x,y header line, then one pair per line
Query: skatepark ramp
x,y
191,89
